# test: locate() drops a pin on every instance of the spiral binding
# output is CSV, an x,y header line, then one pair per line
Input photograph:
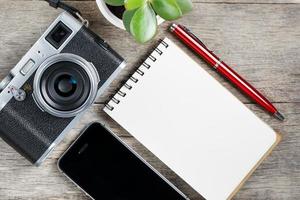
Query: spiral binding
x,y
129,87
164,43
139,72
146,65
159,51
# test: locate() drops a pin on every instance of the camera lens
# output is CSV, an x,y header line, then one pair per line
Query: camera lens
x,y
65,85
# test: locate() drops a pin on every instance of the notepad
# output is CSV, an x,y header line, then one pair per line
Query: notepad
x,y
191,122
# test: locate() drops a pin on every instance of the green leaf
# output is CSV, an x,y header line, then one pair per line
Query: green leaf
x,y
133,4
127,17
185,5
167,9
143,24
115,2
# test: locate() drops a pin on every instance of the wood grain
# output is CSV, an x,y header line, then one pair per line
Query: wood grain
x,y
260,39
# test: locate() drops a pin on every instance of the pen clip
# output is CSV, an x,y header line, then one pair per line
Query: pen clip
x,y
191,34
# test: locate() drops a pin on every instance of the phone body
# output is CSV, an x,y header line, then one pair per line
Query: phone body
x,y
104,167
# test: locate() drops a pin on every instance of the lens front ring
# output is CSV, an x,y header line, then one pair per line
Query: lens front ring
x,y
89,69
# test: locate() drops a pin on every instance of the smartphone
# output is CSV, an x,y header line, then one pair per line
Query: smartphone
x,y
104,167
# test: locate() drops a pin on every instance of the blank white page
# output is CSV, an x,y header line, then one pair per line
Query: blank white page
x,y
192,123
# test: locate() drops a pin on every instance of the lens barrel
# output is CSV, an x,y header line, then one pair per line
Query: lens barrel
x,y
65,84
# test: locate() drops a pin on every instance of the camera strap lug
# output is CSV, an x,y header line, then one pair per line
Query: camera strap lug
x,y
85,22
70,9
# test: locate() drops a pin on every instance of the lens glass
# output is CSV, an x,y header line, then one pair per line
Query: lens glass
x,y
65,86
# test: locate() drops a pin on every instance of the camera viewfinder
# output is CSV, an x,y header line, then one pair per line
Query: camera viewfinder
x,y
58,35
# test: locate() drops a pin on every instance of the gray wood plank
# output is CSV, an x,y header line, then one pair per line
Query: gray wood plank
x,y
261,49
260,39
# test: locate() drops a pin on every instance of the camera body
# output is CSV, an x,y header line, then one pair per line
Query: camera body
x,y
58,79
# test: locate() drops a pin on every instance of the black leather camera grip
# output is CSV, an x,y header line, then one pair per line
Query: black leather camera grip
x,y
29,130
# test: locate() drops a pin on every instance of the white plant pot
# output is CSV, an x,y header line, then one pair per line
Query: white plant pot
x,y
114,19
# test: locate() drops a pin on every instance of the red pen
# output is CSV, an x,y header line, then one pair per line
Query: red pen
x,y
188,38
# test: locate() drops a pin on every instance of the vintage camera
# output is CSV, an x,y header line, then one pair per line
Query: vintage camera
x,y
54,83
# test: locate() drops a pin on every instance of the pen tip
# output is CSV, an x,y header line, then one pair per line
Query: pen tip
x,y
279,116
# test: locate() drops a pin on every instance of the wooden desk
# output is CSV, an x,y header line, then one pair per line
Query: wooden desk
x,y
260,39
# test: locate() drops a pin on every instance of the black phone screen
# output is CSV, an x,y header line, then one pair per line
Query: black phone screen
x,y
106,169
